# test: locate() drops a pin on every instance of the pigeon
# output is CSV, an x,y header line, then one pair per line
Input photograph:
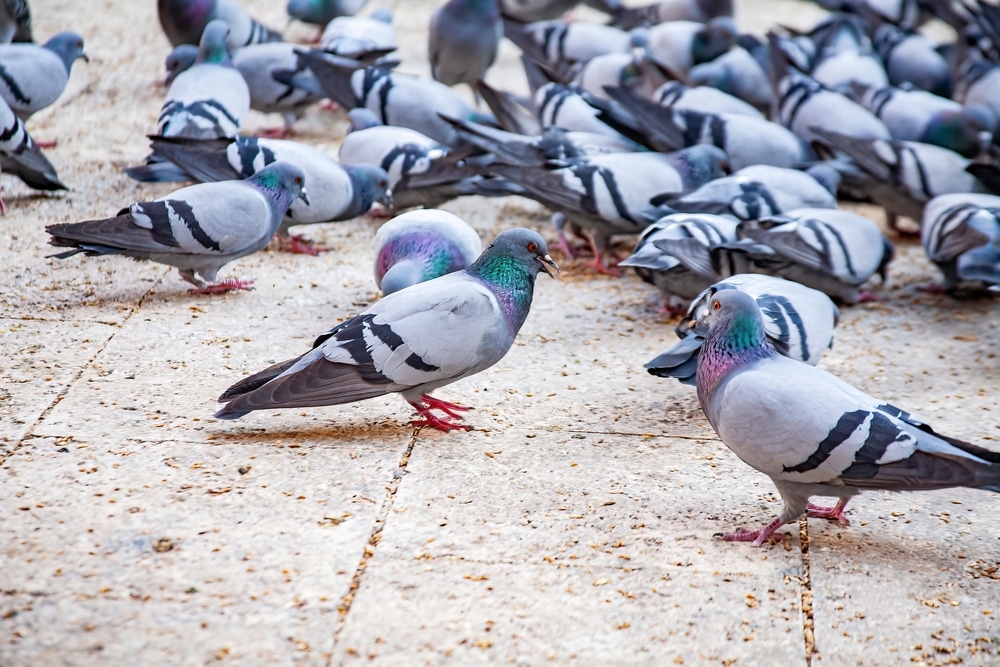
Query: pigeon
x,y
561,44
15,21
606,194
798,322
701,11
566,108
32,76
21,156
912,58
902,176
830,250
811,432
180,59
184,21
680,45
844,54
745,139
262,67
611,69
422,245
704,99
757,192
917,115
339,192
411,341
738,73
463,40
673,255
961,235
354,36
529,11
397,99
198,229
210,100
321,12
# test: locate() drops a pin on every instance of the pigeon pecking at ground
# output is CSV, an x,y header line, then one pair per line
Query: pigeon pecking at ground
x,y
198,229
812,433
412,341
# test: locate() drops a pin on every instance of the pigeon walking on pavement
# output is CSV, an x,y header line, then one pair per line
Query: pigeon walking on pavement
x,y
812,433
422,245
198,229
412,341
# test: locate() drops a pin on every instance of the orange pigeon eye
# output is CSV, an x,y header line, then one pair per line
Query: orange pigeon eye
x,y
532,247
716,305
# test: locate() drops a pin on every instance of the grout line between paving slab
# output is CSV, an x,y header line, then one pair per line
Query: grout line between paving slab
x,y
30,433
808,622
373,539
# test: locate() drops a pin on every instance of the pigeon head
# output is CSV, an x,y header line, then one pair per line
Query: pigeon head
x,y
282,183
735,338
317,12
965,131
179,60
213,47
363,118
700,164
68,46
717,37
371,184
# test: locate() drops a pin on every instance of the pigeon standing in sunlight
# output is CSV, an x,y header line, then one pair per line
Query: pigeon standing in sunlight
x,y
412,341
812,433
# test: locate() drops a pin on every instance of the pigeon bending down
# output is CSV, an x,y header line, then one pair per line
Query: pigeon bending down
x,y
198,229
184,21
961,235
21,156
673,255
831,250
798,322
340,192
33,76
412,341
421,245
812,433
463,41
262,66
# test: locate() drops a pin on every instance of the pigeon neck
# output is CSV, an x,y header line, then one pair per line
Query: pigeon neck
x,y
271,188
730,347
510,281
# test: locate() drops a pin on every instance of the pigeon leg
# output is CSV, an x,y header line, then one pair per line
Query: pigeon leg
x,y
864,296
3,204
329,105
835,513
933,288
559,222
224,286
599,263
300,245
275,132
46,144
450,409
430,419
758,537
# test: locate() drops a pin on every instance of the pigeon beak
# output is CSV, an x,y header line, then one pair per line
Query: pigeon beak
x,y
304,197
546,263
386,199
85,57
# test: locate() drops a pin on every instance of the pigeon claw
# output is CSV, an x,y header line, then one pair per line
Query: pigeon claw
x,y
300,245
835,513
427,405
224,286
758,537
280,132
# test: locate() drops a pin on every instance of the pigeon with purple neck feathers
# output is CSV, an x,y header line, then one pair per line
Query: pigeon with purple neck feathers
x,y
184,21
198,229
798,321
421,245
34,76
463,40
412,341
812,433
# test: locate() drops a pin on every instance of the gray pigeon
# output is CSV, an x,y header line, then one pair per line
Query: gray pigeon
x,y
198,229
15,21
529,11
184,21
412,341
463,40
961,235
422,245
561,44
798,322
21,156
844,54
180,59
830,250
612,69
32,77
680,45
321,12
812,433
912,58
340,192
354,36
673,255
210,100
701,98
671,10
261,66
738,73
606,194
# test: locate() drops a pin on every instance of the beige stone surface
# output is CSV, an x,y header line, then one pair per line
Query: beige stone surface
x,y
573,526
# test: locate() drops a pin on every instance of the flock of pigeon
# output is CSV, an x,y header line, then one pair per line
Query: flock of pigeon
x,y
724,153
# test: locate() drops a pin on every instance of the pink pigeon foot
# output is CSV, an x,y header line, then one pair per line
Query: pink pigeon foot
x,y
758,537
279,132
425,407
599,265
224,286
3,204
329,105
671,311
870,297
300,245
835,513
932,288
47,144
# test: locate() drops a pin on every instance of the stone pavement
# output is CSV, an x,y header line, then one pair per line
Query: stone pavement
x,y
574,526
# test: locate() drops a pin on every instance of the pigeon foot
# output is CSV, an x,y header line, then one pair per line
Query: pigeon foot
x,y
428,418
835,513
47,144
300,245
224,286
279,132
758,537
864,296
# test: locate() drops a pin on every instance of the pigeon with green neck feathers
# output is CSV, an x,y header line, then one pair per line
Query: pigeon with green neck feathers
x,y
412,341
198,229
812,433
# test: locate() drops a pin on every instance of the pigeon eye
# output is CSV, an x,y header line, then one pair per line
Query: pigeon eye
x,y
297,180
532,247
716,305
